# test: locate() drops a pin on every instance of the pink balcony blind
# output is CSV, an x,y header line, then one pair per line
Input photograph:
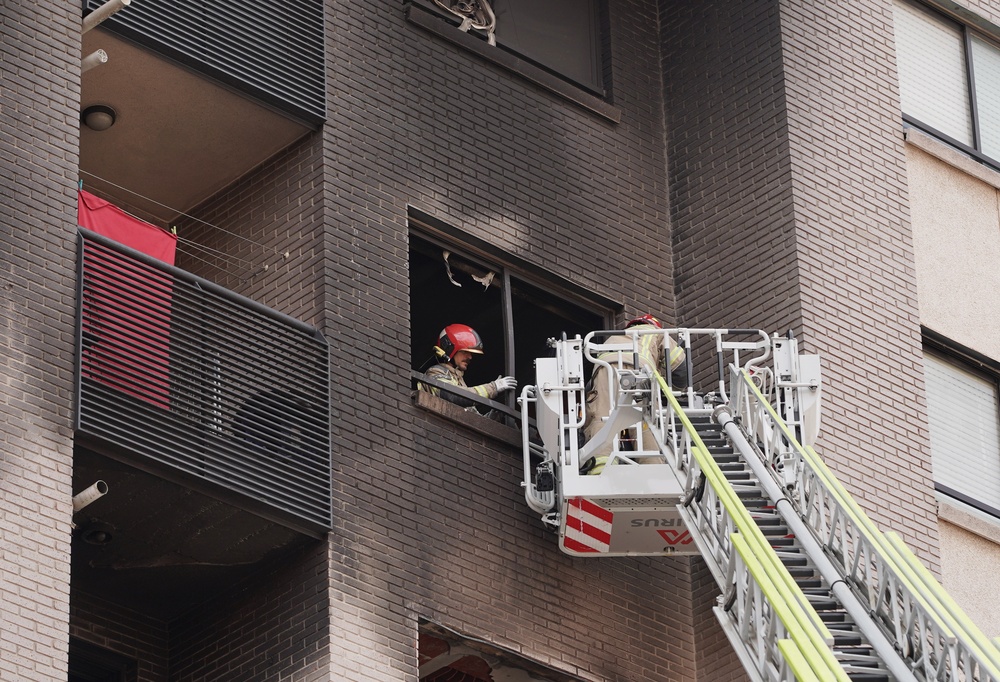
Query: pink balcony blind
x,y
126,304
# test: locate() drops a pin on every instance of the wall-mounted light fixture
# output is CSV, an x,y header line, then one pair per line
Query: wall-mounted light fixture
x,y
97,533
98,117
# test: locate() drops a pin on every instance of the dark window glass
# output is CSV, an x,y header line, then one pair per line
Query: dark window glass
x,y
559,34
562,36
514,317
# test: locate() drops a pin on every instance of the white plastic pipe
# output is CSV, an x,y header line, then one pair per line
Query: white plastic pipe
x,y
103,12
93,59
82,499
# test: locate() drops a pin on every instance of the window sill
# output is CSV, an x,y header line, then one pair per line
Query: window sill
x,y
968,518
475,422
950,155
513,63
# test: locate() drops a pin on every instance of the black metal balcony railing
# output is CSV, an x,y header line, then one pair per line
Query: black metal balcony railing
x,y
189,378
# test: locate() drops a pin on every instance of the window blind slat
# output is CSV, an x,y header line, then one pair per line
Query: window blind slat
x,y
933,84
964,417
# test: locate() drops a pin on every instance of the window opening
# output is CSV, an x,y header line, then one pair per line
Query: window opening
x,y
447,656
963,411
514,317
561,36
949,79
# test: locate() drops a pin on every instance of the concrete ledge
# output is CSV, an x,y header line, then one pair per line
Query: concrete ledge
x,y
951,156
476,422
968,518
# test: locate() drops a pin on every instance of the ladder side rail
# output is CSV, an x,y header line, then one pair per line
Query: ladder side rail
x,y
933,642
845,547
749,626
771,621
719,499
914,605
831,571
987,668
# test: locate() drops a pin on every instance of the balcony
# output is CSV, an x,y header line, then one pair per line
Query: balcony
x,y
185,378
201,93
206,413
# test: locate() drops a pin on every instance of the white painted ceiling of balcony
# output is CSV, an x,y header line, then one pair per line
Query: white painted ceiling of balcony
x,y
178,138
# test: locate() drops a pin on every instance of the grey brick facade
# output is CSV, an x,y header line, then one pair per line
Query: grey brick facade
x,y
748,183
38,144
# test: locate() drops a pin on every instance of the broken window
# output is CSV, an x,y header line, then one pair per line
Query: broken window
x,y
514,313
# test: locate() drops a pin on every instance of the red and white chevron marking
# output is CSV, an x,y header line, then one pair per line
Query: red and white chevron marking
x,y
588,527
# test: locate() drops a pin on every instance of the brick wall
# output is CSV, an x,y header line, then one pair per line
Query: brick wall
x,y
128,633
785,208
431,517
789,202
855,246
734,231
260,237
39,68
733,228
273,626
715,658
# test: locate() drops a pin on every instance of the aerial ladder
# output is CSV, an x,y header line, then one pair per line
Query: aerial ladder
x,y
810,588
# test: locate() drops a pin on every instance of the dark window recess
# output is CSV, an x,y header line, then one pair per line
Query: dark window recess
x,y
447,656
561,36
265,49
514,317
91,663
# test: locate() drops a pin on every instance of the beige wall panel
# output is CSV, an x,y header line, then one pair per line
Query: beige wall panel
x,y
956,225
968,563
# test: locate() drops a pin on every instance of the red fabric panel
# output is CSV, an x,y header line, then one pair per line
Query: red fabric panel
x,y
126,305
110,221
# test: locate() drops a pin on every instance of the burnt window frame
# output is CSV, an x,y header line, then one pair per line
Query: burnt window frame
x,y
511,272
435,640
596,98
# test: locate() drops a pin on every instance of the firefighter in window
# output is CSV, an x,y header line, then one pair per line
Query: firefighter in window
x,y
456,345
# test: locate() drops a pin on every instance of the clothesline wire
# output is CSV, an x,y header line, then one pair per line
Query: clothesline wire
x,y
215,264
215,253
181,213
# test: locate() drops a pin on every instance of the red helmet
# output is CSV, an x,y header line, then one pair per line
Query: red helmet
x,y
644,319
456,337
